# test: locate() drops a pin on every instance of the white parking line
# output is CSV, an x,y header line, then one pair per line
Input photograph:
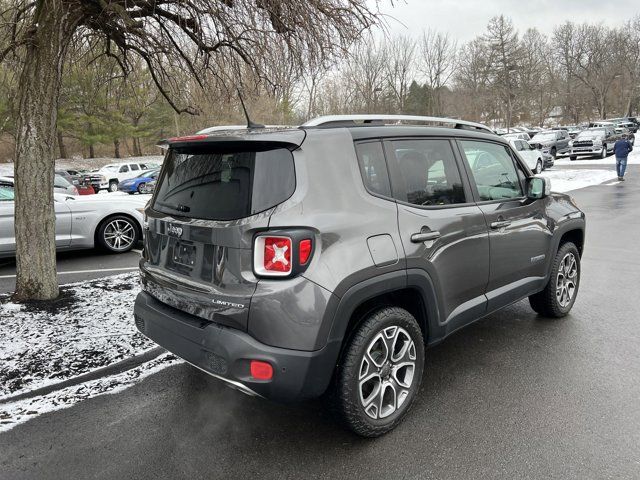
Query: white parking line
x,y
123,269
137,250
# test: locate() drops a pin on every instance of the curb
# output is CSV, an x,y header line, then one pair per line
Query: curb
x,y
112,369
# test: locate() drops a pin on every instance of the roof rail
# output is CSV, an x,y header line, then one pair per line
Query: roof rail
x,y
367,119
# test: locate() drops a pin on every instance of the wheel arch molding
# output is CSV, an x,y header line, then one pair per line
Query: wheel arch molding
x,y
412,290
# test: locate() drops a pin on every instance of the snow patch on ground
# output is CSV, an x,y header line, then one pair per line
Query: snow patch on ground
x,y
20,411
564,180
90,326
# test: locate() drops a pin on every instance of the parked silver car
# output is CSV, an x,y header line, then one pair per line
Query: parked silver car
x,y
113,221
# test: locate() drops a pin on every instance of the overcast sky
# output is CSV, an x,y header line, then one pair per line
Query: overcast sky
x,y
465,19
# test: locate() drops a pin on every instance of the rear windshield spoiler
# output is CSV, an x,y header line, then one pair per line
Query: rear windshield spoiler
x,y
259,139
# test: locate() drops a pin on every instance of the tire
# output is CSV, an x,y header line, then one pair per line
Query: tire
x,y
107,236
573,157
603,153
554,153
113,186
141,187
566,266
358,377
539,167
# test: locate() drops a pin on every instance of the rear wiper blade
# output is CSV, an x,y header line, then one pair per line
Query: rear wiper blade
x,y
177,208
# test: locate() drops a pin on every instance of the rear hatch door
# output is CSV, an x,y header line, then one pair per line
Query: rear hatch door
x,y
213,195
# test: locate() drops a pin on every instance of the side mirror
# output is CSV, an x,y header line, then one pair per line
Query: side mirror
x,y
538,187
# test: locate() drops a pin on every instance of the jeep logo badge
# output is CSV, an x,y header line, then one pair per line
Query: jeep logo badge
x,y
174,231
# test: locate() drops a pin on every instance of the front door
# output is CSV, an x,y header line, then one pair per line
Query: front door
x,y
520,234
443,232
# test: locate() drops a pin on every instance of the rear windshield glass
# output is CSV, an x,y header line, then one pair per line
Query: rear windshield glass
x,y
224,185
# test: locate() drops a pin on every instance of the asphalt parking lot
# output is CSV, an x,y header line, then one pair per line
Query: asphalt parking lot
x,y
511,396
77,266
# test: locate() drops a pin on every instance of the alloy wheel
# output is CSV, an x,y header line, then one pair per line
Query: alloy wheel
x,y
119,234
567,280
386,372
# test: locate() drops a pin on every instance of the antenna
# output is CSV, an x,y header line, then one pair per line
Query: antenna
x,y
250,124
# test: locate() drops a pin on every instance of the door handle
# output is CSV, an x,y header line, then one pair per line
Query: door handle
x,y
500,224
425,237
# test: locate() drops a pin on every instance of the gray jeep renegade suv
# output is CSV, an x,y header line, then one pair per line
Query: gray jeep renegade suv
x,y
291,262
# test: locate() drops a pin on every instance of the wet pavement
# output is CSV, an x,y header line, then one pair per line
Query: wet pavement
x,y
512,396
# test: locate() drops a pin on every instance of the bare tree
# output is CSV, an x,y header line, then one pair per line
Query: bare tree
x,y
472,80
504,61
536,76
400,68
194,35
438,53
591,51
630,60
365,71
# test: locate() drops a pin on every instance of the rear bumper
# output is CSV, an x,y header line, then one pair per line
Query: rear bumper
x,y
226,353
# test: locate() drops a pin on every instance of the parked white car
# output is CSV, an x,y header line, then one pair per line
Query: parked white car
x,y
113,222
531,155
114,173
517,136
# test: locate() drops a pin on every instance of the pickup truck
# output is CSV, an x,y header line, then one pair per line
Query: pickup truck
x,y
595,141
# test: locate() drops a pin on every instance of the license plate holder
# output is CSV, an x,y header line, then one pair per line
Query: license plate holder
x,y
184,254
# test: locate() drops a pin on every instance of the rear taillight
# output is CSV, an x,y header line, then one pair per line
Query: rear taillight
x,y
283,253
272,256
304,251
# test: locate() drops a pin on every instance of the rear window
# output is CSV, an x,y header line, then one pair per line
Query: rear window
x,y
224,185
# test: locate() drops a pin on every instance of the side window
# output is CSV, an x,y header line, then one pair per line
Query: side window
x,y
123,169
430,172
134,166
373,167
493,170
6,192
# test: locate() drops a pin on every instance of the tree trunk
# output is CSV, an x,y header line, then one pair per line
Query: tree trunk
x,y
116,148
92,151
137,151
38,92
61,145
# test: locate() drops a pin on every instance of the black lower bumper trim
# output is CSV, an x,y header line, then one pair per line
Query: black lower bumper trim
x,y
226,353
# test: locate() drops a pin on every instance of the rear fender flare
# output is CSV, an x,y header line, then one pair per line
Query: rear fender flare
x,y
359,293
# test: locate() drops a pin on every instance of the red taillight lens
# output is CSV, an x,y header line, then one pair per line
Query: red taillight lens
x,y
261,370
272,256
277,254
304,251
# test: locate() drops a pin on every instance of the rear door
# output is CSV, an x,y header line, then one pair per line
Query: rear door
x,y
210,201
443,232
520,234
